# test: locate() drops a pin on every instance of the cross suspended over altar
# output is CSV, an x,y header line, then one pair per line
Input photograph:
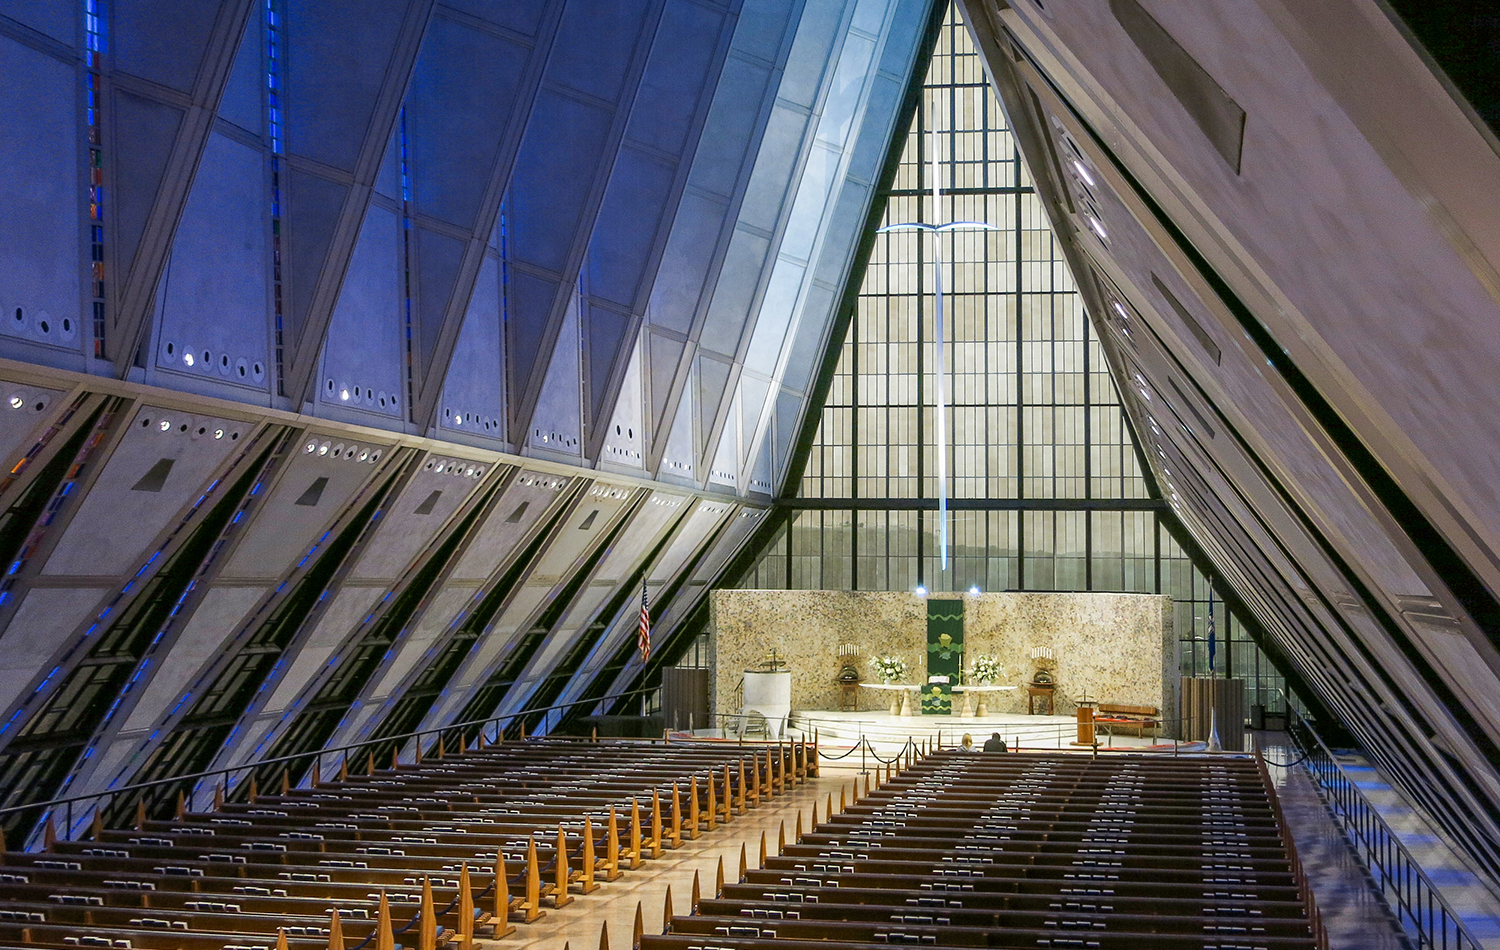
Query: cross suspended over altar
x,y
940,369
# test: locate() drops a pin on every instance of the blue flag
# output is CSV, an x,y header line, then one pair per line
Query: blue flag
x,y
1212,640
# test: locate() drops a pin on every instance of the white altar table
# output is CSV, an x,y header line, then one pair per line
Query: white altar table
x,y
900,705
968,709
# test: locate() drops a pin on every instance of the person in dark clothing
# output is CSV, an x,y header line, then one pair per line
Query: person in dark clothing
x,y
995,744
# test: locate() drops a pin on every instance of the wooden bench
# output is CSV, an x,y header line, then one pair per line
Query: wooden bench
x,y
1116,852
1112,716
415,847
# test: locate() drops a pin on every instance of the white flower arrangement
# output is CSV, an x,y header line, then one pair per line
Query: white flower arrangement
x,y
890,668
986,669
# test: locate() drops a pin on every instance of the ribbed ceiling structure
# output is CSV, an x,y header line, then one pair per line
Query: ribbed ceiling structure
x,y
364,362
1283,219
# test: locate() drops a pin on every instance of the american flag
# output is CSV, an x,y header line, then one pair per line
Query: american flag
x,y
643,635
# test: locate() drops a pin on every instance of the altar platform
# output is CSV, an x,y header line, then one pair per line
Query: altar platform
x,y
887,734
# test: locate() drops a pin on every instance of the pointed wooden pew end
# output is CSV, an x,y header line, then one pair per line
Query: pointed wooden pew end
x,y
744,864
49,834
96,828
639,930
656,844
633,853
385,938
696,896
466,915
666,912
612,870
140,814
694,817
503,910
531,909
798,830
219,797
719,879
781,837
427,927
604,936
335,932
560,895
181,805
281,943
713,807
586,882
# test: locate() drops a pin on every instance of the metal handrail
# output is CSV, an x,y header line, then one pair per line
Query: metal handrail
x,y
191,782
1420,907
1034,732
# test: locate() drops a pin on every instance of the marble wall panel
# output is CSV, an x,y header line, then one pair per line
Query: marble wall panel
x,y
1108,647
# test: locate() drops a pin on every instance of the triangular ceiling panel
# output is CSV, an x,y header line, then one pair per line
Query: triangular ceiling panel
x,y
665,355
351,155
625,435
604,337
679,457
363,358
557,424
473,394
314,206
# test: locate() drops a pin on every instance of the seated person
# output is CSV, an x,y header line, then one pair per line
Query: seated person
x,y
994,743
968,744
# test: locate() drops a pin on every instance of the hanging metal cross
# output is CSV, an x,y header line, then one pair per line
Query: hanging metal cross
x,y
939,365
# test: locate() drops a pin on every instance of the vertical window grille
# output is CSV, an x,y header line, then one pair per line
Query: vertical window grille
x,y
406,212
93,19
273,129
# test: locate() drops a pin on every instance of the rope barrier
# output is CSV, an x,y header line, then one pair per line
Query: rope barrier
x,y
865,740
1286,765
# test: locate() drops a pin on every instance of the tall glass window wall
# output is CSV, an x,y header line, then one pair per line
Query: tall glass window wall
x,y
1046,486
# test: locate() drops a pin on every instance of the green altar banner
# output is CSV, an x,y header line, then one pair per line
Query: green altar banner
x,y
945,654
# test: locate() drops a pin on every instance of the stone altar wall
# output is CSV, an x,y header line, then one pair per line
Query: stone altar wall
x,y
1117,648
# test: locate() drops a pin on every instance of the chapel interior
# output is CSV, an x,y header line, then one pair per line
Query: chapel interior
x,y
775,475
